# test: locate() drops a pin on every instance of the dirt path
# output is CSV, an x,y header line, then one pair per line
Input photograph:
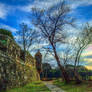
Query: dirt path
x,y
52,87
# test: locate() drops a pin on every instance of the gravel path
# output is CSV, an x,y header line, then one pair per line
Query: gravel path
x,y
52,87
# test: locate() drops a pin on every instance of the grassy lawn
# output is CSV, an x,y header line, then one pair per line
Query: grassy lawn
x,y
72,87
32,87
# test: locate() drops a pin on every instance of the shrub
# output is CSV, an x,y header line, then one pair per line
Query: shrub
x,y
6,32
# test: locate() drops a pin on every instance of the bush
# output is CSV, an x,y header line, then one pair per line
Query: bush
x,y
6,32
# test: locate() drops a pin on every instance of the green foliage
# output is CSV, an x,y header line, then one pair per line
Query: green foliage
x,y
4,42
6,32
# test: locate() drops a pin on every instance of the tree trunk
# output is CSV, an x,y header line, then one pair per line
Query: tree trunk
x,y
64,73
76,75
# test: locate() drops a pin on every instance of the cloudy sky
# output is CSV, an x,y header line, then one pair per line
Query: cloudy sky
x,y
14,12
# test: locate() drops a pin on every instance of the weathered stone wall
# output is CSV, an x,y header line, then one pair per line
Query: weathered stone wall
x,y
13,71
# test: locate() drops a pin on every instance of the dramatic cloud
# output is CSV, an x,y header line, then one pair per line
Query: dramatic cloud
x,y
8,28
3,11
12,11
76,3
43,4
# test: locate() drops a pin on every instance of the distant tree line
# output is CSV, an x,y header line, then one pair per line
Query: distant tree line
x,y
49,73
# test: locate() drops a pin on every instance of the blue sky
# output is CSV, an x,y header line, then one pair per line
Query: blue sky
x,y
14,12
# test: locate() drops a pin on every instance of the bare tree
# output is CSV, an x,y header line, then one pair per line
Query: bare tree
x,y
83,39
66,56
51,24
26,37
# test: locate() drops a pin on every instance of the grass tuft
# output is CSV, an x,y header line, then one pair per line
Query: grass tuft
x,y
73,87
32,87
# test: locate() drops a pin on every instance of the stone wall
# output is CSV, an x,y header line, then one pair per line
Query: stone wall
x,y
13,71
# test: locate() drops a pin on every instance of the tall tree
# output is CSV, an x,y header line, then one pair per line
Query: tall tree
x,y
26,38
51,24
82,40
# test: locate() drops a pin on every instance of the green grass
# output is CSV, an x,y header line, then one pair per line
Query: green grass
x,y
32,87
72,87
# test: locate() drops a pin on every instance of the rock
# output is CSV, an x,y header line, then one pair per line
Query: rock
x,y
13,71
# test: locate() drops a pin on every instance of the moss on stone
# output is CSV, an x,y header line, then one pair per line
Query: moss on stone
x,y
13,71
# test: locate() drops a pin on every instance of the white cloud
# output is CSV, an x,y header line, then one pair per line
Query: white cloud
x,y
8,28
26,21
90,23
38,46
6,9
45,4
76,3
3,11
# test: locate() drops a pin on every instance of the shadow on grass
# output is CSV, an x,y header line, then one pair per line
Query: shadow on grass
x,y
73,87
